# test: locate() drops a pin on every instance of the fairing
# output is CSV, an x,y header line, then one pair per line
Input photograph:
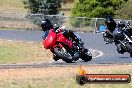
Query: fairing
x,y
50,40
62,39
55,39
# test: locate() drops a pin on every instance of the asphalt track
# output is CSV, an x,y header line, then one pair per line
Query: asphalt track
x,y
91,40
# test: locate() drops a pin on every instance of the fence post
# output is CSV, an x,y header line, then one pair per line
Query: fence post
x,y
96,28
25,22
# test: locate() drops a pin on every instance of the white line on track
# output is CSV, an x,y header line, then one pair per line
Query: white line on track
x,y
100,53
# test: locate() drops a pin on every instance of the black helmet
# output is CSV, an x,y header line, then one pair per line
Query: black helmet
x,y
108,19
46,24
121,23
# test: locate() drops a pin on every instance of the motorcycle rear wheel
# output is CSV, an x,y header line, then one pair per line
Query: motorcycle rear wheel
x,y
64,55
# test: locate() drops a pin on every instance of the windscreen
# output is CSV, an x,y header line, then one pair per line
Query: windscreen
x,y
45,34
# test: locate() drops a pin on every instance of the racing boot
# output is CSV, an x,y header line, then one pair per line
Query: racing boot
x,y
55,57
106,40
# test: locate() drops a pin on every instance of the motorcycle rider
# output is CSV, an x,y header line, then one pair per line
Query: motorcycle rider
x,y
111,26
47,25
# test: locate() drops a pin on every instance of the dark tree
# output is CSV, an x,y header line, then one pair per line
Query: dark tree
x,y
47,7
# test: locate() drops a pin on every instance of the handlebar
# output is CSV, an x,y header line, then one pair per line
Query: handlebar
x,y
123,25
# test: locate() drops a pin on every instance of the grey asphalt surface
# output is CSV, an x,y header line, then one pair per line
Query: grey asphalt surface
x,y
91,41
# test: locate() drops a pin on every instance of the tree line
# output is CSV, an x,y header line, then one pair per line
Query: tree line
x,y
83,8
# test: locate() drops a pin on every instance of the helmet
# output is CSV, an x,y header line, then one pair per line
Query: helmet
x,y
110,23
55,26
121,23
108,20
46,24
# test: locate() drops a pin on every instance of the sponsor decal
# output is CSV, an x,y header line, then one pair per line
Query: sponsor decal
x,y
82,77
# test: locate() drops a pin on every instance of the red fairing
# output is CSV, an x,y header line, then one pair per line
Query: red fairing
x,y
50,39
61,38
56,39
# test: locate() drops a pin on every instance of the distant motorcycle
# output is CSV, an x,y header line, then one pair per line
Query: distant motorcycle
x,y
65,48
122,36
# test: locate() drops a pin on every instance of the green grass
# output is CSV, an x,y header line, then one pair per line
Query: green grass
x,y
58,83
63,81
8,54
13,3
7,29
12,6
14,52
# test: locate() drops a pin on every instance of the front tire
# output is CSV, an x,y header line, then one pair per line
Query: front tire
x,y
129,47
87,56
130,54
120,48
63,54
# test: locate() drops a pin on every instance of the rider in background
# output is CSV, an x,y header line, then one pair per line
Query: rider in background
x,y
110,33
110,27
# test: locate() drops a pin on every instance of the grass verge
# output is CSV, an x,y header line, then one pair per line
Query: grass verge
x,y
58,77
12,6
22,52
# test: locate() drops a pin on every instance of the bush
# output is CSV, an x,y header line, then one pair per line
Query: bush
x,y
94,9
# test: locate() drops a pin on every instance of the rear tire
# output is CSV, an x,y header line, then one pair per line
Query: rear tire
x,y
87,56
64,55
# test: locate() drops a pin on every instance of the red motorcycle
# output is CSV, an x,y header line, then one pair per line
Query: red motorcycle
x,y
65,48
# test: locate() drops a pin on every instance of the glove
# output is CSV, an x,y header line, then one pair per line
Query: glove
x,y
58,30
63,27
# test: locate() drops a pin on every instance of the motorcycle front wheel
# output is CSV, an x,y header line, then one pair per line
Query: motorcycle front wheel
x,y
63,54
129,47
87,56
